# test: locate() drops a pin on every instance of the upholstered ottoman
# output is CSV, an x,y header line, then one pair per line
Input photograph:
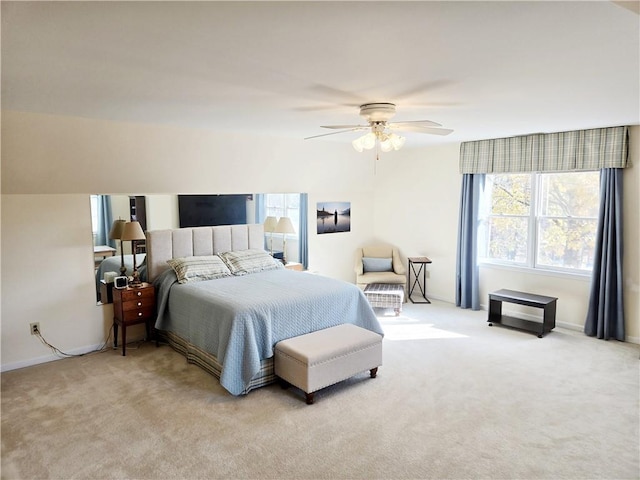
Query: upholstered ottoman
x,y
385,295
319,359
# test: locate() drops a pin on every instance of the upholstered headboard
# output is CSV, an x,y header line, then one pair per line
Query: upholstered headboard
x,y
163,245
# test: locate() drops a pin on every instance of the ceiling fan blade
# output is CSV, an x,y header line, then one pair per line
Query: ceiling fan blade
x,y
335,133
421,89
320,108
426,123
341,127
431,130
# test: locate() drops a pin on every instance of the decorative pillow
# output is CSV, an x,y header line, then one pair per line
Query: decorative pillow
x,y
373,264
194,269
241,262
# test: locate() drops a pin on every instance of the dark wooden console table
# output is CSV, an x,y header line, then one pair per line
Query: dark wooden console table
x,y
548,304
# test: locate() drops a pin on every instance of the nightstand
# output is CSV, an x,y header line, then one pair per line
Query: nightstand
x,y
131,306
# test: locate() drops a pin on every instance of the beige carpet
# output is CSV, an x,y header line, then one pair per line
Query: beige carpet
x,y
454,399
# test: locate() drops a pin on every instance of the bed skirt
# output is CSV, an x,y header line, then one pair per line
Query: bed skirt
x,y
210,364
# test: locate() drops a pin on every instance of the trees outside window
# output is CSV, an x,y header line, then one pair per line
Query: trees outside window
x,y
540,220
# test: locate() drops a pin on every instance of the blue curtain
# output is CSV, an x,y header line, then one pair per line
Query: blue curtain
x,y
260,208
303,231
105,219
467,278
261,213
605,317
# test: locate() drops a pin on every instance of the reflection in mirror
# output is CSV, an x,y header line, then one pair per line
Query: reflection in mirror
x,y
161,212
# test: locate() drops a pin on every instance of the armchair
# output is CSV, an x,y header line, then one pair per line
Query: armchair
x,y
380,264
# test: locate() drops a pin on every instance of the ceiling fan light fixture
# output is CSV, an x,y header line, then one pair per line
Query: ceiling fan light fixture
x,y
386,145
397,142
381,130
369,140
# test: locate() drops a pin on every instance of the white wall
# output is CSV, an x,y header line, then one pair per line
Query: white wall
x,y
48,172
162,212
47,277
416,208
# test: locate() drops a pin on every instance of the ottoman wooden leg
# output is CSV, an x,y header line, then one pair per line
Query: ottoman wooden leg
x,y
309,398
373,372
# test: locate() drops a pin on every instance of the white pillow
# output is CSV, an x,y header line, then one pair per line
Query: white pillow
x,y
194,269
241,262
373,264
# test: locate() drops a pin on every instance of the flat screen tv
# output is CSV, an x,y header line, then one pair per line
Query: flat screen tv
x,y
211,210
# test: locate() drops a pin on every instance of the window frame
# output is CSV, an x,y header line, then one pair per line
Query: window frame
x,y
271,210
535,219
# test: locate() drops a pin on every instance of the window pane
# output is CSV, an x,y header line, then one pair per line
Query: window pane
x,y
566,242
284,205
565,217
510,194
94,214
570,194
507,238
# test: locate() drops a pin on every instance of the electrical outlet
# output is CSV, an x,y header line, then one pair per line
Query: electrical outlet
x,y
34,328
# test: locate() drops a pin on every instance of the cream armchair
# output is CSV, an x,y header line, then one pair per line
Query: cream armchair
x,y
380,264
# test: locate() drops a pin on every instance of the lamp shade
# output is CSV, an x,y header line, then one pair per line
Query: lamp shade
x,y
270,224
132,231
284,226
116,229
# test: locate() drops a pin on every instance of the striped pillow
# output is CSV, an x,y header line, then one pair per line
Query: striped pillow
x,y
241,262
194,269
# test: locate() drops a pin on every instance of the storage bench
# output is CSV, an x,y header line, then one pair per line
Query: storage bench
x,y
319,359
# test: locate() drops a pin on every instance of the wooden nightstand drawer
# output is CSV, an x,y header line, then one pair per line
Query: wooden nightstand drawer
x,y
139,303
139,314
135,293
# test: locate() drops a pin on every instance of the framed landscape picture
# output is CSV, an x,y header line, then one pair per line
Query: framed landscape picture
x,y
333,217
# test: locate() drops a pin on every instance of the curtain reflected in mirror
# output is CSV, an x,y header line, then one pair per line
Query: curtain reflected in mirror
x,y
161,212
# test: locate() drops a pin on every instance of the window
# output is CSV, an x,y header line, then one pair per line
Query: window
x,y
283,205
540,220
94,215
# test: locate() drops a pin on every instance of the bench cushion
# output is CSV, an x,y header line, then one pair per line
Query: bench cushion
x,y
322,358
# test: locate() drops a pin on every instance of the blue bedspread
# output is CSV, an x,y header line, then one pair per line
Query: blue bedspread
x,y
239,319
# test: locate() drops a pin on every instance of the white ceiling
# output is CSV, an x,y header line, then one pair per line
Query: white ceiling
x,y
484,69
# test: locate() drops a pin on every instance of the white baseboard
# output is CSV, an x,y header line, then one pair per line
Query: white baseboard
x,y
568,326
53,357
48,358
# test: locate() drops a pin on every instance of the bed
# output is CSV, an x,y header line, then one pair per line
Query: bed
x,y
230,325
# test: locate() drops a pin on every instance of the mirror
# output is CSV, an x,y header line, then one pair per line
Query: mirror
x,y
168,211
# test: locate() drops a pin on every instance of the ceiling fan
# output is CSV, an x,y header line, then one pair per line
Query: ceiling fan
x,y
381,130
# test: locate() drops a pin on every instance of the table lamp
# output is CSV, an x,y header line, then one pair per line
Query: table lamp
x,y
116,234
133,231
269,227
284,226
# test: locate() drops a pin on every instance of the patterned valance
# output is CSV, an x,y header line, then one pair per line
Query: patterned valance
x,y
544,152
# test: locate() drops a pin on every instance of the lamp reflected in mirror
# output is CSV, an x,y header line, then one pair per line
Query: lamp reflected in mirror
x,y
284,226
270,224
115,233
132,231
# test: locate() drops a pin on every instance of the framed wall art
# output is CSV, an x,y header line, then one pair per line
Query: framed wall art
x,y
333,217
